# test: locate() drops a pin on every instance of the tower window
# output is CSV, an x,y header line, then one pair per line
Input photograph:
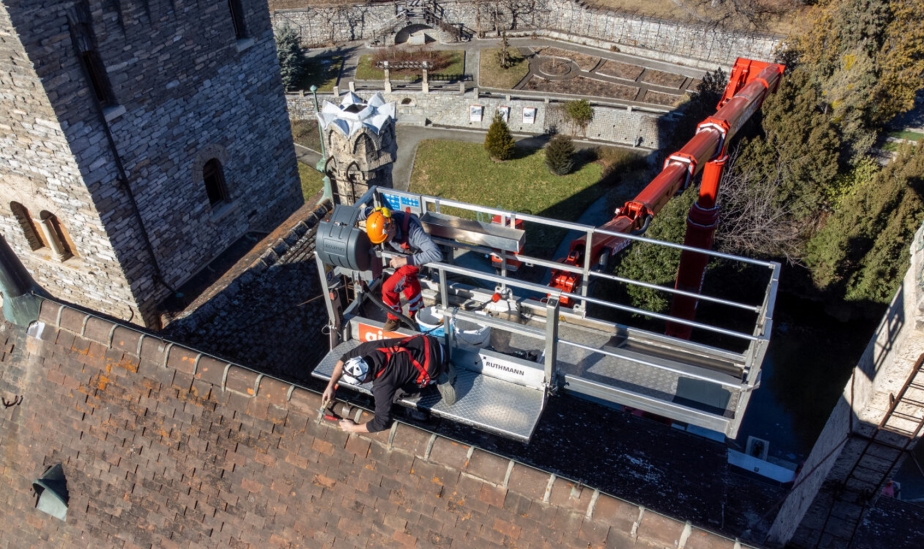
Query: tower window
x,y
214,179
237,18
30,231
56,236
99,80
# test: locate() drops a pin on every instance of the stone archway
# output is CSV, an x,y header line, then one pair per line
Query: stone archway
x,y
417,34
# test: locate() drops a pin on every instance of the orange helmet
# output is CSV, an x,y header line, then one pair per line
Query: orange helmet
x,y
377,225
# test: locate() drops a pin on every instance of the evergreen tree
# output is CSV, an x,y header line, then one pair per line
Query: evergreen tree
x,y
498,142
866,58
579,113
292,62
657,264
862,251
559,155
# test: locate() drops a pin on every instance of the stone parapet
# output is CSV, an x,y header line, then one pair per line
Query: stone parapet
x,y
618,125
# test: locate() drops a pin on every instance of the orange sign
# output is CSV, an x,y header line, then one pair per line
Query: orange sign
x,y
371,333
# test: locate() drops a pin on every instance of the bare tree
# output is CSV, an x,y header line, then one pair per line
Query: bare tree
x,y
754,221
750,15
519,10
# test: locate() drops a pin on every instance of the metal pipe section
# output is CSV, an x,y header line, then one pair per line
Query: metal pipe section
x,y
21,304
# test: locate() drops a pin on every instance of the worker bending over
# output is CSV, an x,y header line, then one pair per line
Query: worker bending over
x,y
396,367
403,233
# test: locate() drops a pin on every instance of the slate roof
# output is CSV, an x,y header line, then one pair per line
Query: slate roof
x,y
164,446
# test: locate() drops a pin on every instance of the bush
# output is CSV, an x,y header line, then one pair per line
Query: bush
x,y
499,143
579,113
559,155
292,62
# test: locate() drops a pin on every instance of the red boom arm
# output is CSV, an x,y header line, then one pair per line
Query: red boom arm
x,y
749,84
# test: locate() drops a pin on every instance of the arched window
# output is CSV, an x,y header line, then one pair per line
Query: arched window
x,y
30,231
56,236
237,18
93,65
214,179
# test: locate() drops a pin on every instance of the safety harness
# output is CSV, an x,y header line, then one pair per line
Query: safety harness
x,y
401,347
405,233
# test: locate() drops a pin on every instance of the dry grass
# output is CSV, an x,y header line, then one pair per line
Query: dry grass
x,y
620,70
664,79
584,62
491,75
584,87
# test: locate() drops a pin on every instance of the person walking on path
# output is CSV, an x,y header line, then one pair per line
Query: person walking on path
x,y
396,367
403,232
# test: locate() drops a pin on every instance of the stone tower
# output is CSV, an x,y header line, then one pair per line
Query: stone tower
x,y
360,141
138,140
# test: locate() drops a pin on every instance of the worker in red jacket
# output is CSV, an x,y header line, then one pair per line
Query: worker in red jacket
x,y
396,367
403,232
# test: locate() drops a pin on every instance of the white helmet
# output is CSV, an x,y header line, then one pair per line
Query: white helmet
x,y
355,370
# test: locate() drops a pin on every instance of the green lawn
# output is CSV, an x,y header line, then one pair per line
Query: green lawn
x,y
312,180
464,172
366,70
491,75
305,133
907,134
322,72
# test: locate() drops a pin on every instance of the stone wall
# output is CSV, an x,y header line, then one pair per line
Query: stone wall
x,y
562,19
39,170
186,88
619,125
889,358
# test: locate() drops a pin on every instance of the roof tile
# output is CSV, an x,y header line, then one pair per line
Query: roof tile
x,y
700,539
211,370
182,359
411,439
49,312
274,390
98,330
153,351
528,481
304,402
621,514
127,340
72,320
571,495
449,452
241,380
487,466
659,530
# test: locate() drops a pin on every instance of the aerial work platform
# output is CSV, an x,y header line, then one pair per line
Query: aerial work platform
x,y
537,347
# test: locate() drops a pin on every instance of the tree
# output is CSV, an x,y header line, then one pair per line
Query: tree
x,y
504,59
579,114
866,58
559,155
499,143
292,62
861,253
753,222
653,263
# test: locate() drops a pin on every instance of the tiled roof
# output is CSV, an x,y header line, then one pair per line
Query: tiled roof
x,y
166,447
